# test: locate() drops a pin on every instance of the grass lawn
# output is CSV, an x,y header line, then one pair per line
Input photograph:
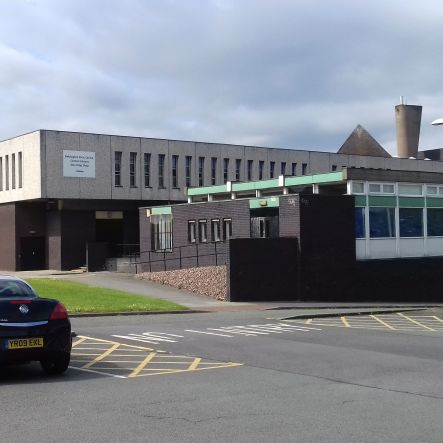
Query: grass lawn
x,y
79,298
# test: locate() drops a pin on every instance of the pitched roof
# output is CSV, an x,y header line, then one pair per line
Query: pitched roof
x,y
360,142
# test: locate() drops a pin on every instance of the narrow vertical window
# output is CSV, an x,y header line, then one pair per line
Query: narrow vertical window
x,y
201,171
283,168
215,230
161,232
161,171
13,170
20,169
188,170
175,171
294,169
271,169
213,170
250,164
191,231
304,168
238,169
202,231
1,173
225,169
7,172
147,169
132,169
261,167
117,168
227,228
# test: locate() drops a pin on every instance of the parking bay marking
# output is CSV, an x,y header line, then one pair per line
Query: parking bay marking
x,y
108,360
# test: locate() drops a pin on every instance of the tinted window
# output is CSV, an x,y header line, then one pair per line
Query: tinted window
x,y
411,222
381,222
15,288
359,222
435,222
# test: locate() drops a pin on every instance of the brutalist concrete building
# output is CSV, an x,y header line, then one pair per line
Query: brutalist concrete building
x,y
63,194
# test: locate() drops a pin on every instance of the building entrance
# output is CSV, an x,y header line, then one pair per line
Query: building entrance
x,y
32,253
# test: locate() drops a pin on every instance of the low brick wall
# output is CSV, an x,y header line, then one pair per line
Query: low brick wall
x,y
209,280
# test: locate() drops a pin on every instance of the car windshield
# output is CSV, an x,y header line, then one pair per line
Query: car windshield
x,y
15,288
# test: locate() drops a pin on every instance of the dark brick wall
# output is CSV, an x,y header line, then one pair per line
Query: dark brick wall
x,y
289,216
263,269
8,257
327,245
54,239
237,210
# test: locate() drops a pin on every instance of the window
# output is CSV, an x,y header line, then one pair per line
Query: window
x,y
381,188
238,169
283,168
175,171
358,188
294,169
261,167
432,190
132,169
7,172
117,168
359,222
304,168
161,232
1,173
202,231
20,170
381,222
215,230
411,222
435,222
147,169
188,170
227,228
13,170
161,171
191,231
201,171
225,170
271,169
334,168
410,189
213,170
250,164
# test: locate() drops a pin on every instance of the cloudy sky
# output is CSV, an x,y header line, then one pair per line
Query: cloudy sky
x,y
280,73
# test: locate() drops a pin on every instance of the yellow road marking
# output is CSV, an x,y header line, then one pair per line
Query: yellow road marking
x,y
137,370
309,321
416,322
176,371
345,322
437,318
382,322
194,364
81,340
101,356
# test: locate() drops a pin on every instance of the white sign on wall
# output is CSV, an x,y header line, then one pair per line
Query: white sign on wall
x,y
79,164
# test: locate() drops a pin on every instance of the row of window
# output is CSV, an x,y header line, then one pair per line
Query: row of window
x,y
221,230
407,189
188,170
11,173
411,222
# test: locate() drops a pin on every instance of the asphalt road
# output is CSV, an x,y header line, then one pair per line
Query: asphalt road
x,y
296,382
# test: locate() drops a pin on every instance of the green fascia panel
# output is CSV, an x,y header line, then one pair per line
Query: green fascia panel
x,y
390,202
331,177
411,202
220,189
161,210
434,202
257,203
251,186
360,200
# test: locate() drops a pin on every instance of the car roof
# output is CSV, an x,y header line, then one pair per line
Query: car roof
x,y
10,278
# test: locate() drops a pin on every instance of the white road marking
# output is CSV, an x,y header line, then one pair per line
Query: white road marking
x,y
209,333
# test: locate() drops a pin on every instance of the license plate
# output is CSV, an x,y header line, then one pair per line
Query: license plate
x,y
24,343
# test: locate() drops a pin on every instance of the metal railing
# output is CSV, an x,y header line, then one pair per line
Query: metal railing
x,y
192,255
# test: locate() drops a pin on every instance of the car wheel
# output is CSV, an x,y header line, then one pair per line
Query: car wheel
x,y
56,365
